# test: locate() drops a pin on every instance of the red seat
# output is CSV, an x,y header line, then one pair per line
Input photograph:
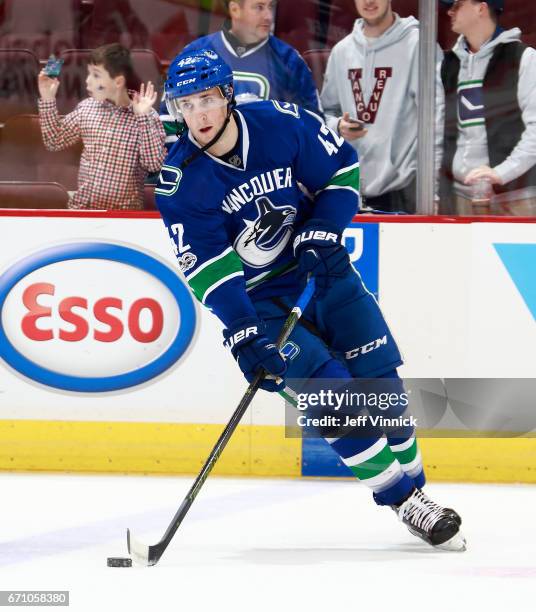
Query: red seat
x,y
18,82
407,8
297,23
317,60
212,21
149,202
15,194
174,27
42,26
110,21
164,26
73,77
341,20
23,156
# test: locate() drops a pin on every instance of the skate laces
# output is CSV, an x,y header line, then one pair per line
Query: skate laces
x,y
420,511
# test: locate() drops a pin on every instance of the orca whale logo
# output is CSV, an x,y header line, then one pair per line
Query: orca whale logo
x,y
262,240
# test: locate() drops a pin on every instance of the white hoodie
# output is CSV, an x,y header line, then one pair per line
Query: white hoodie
x,y
388,153
472,143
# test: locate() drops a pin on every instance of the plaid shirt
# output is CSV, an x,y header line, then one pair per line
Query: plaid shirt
x,y
120,148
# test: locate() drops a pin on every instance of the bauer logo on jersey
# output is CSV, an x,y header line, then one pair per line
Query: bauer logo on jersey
x,y
264,238
93,317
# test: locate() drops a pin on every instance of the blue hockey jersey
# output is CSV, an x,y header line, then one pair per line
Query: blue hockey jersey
x,y
231,227
271,70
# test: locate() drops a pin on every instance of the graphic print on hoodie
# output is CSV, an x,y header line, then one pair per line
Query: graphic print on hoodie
x,y
472,142
376,81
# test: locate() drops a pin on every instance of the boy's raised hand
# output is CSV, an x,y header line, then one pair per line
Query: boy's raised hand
x,y
144,99
48,87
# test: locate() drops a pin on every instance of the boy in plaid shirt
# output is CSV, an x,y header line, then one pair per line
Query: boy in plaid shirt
x,y
122,135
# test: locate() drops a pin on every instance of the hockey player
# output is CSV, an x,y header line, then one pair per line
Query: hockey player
x,y
246,238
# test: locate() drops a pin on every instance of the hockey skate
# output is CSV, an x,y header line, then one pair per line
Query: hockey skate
x,y
438,526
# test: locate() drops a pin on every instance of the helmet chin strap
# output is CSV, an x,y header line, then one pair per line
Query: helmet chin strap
x,y
199,152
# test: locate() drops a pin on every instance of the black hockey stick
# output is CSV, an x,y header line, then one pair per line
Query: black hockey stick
x,y
150,555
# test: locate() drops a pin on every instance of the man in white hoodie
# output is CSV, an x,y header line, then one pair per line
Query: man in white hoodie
x,y
490,106
370,97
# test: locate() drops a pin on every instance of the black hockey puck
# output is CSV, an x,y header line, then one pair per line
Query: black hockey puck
x,y
119,562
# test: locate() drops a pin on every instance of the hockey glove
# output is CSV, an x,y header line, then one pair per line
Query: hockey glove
x,y
247,341
318,249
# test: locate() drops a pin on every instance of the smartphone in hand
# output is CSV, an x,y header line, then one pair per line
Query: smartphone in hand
x,y
53,67
357,125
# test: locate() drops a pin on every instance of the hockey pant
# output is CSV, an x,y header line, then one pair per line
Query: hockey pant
x,y
342,337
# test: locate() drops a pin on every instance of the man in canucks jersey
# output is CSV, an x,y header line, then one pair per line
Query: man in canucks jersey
x,y
232,193
264,66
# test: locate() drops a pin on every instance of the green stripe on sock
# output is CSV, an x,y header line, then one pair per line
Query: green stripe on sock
x,y
408,455
375,465
347,179
214,273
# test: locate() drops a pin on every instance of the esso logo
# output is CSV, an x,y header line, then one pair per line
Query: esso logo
x,y
93,317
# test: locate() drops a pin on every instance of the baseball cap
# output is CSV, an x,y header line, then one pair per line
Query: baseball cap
x,y
498,5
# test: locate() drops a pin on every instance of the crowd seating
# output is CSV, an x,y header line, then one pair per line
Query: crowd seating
x,y
149,202
41,26
109,21
20,194
155,31
297,24
18,82
317,60
165,26
23,156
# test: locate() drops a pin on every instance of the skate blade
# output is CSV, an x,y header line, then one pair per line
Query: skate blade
x,y
456,544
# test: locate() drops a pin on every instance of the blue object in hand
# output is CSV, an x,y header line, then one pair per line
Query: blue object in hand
x,y
246,339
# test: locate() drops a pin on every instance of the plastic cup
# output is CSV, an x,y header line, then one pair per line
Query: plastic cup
x,y
481,194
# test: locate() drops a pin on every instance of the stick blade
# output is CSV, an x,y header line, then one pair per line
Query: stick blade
x,y
137,550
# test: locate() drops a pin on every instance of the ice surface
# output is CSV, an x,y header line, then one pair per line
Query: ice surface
x,y
256,545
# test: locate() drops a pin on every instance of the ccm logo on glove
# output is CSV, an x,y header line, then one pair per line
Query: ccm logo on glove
x,y
243,334
315,235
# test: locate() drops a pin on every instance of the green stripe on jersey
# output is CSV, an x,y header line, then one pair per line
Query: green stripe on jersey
x,y
476,82
466,124
226,265
375,465
350,178
170,128
261,278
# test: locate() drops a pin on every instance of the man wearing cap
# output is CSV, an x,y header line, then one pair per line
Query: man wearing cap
x,y
490,106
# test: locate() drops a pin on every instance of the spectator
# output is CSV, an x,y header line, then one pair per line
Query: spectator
x,y
490,115
370,97
122,136
264,66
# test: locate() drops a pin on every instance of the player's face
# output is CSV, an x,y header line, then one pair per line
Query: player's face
x,y
464,15
100,85
204,114
252,20
373,11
